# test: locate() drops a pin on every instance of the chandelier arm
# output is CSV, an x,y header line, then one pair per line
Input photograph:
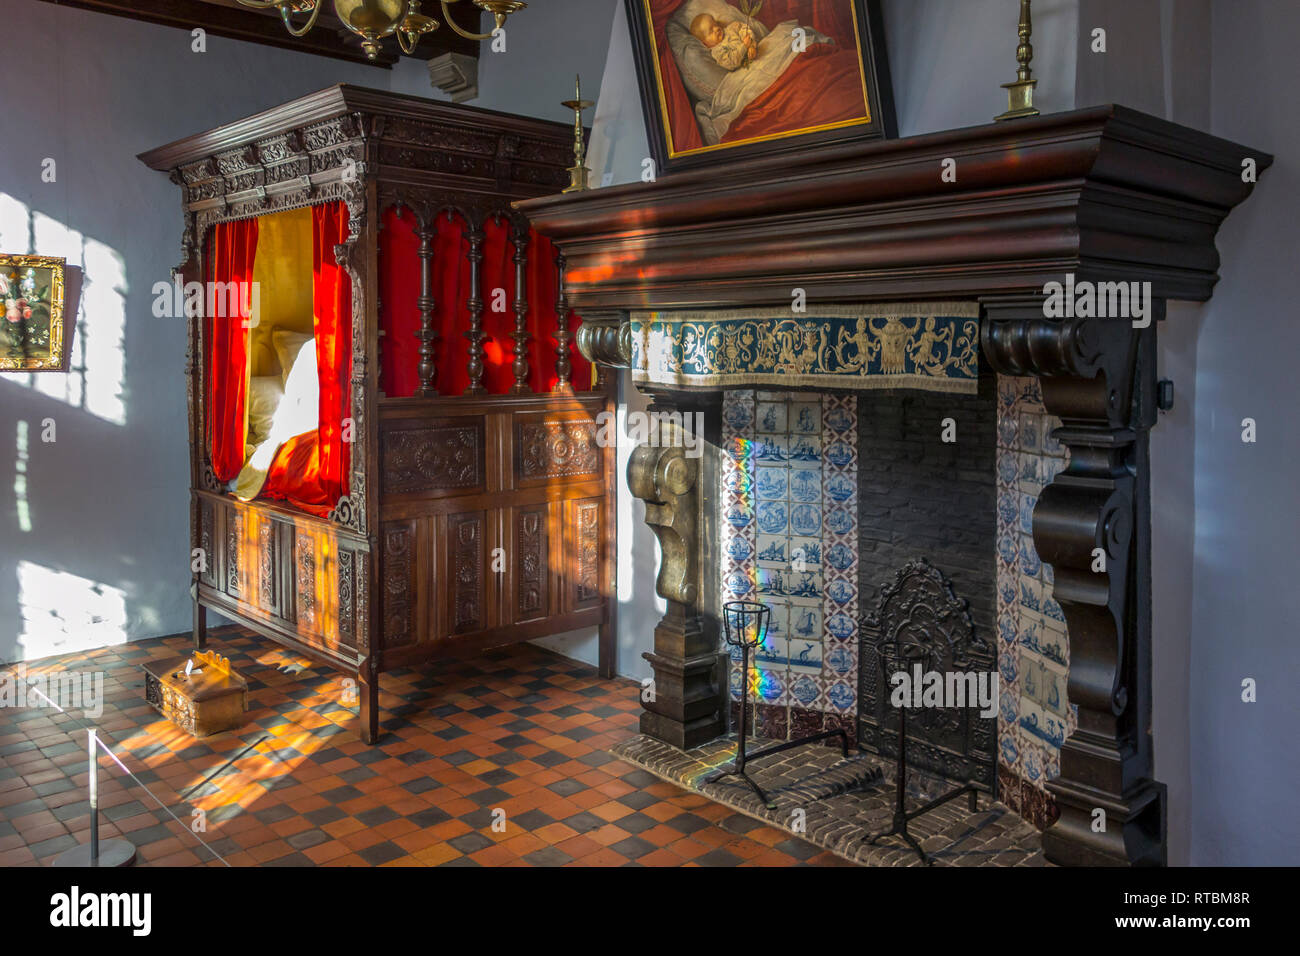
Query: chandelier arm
x,y
451,22
259,4
285,14
401,41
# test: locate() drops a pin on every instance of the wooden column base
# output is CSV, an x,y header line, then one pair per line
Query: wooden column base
x,y
689,681
1134,831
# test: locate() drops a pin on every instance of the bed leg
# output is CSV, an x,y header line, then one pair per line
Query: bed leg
x,y
369,686
200,625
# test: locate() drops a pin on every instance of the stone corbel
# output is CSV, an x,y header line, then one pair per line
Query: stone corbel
x,y
1092,525
606,338
664,478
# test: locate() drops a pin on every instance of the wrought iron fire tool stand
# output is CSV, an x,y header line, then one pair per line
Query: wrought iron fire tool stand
x,y
745,625
903,656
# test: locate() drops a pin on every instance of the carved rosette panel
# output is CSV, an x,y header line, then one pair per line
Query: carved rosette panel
x,y
441,458
563,449
266,583
304,565
467,572
234,538
347,596
530,551
399,583
587,520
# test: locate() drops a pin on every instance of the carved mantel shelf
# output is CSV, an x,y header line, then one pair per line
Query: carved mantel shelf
x,y
1105,194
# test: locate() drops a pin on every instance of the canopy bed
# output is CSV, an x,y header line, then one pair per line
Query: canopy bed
x,y
392,436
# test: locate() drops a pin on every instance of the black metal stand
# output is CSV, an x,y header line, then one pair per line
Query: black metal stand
x,y
897,657
96,853
748,618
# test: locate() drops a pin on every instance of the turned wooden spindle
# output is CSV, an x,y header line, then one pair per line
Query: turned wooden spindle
x,y
562,336
520,334
475,302
425,231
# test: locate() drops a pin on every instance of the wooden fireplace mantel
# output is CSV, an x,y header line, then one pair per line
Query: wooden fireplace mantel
x,y
1105,194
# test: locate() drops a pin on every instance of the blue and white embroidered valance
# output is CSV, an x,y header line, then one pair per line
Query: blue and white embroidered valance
x,y
928,345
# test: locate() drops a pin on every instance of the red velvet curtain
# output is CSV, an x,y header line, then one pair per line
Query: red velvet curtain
x,y
233,248
311,470
399,278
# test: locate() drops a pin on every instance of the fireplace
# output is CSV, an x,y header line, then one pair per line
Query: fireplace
x,y
689,282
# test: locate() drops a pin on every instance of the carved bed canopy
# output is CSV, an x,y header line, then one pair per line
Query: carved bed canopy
x,y
1105,194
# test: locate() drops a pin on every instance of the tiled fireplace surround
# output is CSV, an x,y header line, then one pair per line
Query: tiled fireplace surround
x,y
825,495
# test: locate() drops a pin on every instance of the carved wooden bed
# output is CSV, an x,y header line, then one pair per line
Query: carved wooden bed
x,y
450,495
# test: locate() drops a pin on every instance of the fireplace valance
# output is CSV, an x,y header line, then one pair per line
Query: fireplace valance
x,y
931,346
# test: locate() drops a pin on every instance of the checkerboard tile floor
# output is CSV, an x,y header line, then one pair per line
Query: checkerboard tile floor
x,y
519,730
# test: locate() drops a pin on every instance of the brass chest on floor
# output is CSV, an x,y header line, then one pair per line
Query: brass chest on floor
x,y
212,698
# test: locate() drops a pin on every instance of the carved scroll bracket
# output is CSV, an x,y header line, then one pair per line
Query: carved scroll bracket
x,y
665,479
1091,524
606,339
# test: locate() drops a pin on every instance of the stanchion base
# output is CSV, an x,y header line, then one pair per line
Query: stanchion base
x,y
111,853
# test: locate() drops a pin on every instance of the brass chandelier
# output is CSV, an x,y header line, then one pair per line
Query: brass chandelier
x,y
373,20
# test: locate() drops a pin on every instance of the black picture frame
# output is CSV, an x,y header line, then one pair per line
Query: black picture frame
x,y
878,88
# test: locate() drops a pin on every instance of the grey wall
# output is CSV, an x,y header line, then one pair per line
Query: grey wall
x,y
1245,771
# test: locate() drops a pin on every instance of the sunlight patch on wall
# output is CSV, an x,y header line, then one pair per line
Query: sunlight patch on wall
x,y
97,361
21,508
63,613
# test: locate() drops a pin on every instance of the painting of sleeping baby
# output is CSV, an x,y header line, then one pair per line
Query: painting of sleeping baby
x,y
730,73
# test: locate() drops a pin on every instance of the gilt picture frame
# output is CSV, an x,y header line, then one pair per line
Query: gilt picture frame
x,y
722,80
31,329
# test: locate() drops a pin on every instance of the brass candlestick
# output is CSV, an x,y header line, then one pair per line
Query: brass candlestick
x,y
1020,93
579,174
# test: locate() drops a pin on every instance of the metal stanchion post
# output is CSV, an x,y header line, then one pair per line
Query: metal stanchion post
x,y
110,852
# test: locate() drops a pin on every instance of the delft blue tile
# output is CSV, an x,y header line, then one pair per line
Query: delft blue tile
x,y
770,450
1009,549
1029,432
772,484
805,418
840,488
1040,724
839,419
738,548
807,448
1008,507
772,418
840,520
1033,765
841,626
841,696
1027,503
773,551
805,656
840,659
738,416
805,519
738,585
1008,664
1051,610
1029,595
1030,564
771,685
773,654
804,690
739,515
1007,467
773,516
1008,432
735,683
839,556
1009,705
838,453
805,554
806,624
772,582
841,592
804,588
805,484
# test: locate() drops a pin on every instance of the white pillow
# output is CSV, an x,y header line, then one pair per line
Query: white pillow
x,y
265,393
300,410
288,346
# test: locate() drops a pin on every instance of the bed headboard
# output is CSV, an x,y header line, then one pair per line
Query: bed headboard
x,y
282,269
